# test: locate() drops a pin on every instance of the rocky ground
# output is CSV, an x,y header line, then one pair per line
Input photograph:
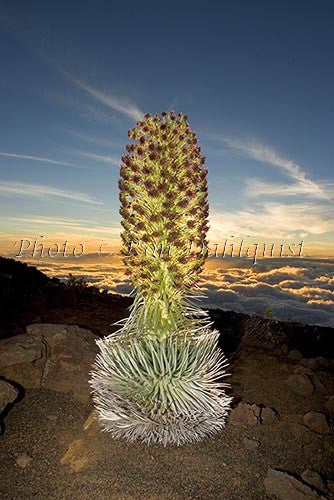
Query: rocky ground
x,y
278,441
29,296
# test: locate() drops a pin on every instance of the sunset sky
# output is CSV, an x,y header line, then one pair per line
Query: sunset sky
x,y
256,80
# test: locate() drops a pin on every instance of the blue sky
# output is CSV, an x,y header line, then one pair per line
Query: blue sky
x,y
255,78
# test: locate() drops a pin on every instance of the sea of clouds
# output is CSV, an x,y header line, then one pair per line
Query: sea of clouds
x,y
298,289
294,289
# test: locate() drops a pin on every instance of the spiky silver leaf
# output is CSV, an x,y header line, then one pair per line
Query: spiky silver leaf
x,y
165,390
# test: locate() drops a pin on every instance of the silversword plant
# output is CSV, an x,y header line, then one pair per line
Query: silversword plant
x,y
159,377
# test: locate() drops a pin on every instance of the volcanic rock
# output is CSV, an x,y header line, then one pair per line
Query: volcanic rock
x,y
23,460
284,486
300,384
268,415
295,355
8,394
316,421
330,404
313,478
57,357
245,415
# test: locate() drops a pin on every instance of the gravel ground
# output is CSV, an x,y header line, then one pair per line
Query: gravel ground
x,y
71,460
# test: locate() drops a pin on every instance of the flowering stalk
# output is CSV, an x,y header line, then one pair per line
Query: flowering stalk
x,y
156,378
163,192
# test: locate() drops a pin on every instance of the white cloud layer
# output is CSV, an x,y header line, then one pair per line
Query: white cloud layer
x,y
298,289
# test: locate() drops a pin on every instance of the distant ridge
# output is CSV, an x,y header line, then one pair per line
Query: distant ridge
x,y
29,296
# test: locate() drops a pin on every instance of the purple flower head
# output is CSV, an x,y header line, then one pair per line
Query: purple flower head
x,y
147,170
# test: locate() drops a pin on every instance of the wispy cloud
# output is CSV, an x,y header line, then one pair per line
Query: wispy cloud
x,y
88,110
256,187
82,226
39,158
272,220
109,100
101,158
118,104
40,191
265,154
52,221
99,141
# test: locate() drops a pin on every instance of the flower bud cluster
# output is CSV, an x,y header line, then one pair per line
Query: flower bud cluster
x,y
164,204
